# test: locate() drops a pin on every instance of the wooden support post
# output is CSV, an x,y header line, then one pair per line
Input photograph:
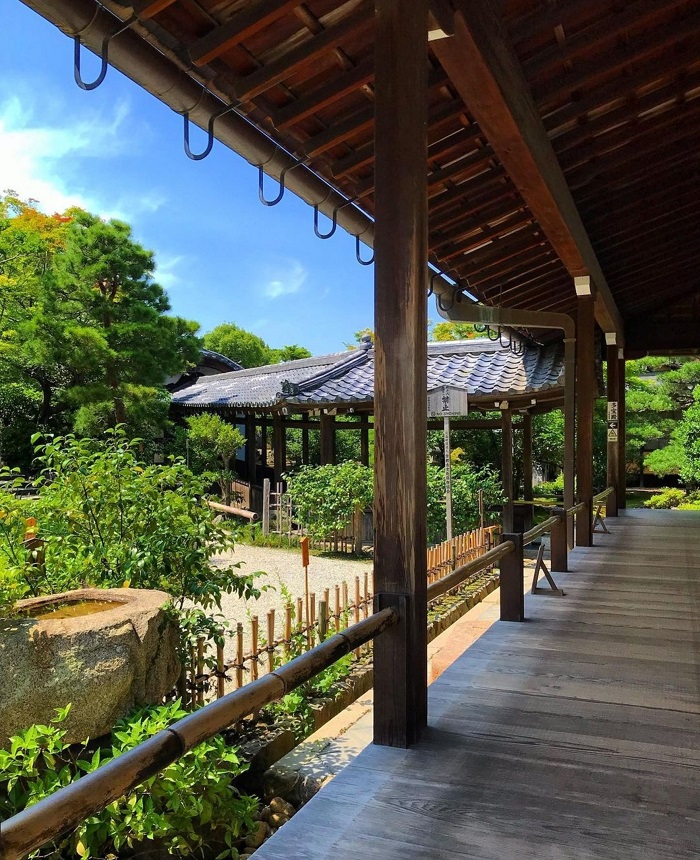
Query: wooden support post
x,y
220,667
585,401
266,507
512,581
263,442
507,467
305,442
279,446
527,457
200,682
364,440
401,254
613,470
569,432
622,455
327,440
560,543
250,449
239,656
322,620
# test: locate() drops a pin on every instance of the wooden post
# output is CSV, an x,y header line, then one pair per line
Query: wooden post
x,y
305,442
622,455
613,448
279,446
200,671
527,457
336,614
250,449
254,649
512,583
271,640
559,541
327,439
569,431
364,440
263,442
507,467
585,401
266,507
322,620
401,254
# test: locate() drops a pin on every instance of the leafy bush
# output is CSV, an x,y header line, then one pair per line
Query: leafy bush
x,y
466,484
326,497
667,499
190,805
215,442
551,488
107,519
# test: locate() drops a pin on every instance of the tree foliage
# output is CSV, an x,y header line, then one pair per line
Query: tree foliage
x,y
248,349
215,442
84,329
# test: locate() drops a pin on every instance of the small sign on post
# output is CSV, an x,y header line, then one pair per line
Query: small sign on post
x,y
449,402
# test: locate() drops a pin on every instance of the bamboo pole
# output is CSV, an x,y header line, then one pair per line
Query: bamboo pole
x,y
322,619
239,655
220,670
200,670
287,630
192,698
254,649
336,614
271,640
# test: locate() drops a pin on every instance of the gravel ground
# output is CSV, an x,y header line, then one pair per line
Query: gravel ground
x,y
283,566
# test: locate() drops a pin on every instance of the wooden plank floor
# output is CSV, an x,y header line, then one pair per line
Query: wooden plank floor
x,y
573,735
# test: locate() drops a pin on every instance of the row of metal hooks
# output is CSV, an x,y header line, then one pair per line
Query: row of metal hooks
x,y
199,156
517,347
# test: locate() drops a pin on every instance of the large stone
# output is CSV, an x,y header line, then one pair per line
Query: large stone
x,y
104,664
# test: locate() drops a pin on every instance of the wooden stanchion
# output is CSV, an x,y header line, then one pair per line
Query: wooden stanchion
x,y
271,640
254,649
239,656
220,670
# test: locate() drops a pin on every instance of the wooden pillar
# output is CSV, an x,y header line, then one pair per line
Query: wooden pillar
x,y
569,432
364,440
327,439
613,446
622,456
527,457
263,442
507,467
279,446
585,401
250,449
305,442
400,289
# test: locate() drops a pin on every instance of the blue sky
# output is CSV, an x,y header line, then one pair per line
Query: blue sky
x,y
221,255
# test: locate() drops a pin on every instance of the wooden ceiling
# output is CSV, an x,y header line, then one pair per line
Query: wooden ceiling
x,y
564,137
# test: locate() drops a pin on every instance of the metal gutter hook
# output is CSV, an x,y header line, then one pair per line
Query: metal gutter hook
x,y
283,174
104,57
210,134
357,254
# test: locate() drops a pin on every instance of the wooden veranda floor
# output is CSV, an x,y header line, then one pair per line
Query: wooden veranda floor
x,y
573,735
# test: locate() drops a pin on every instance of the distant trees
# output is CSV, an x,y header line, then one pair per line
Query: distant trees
x,y
249,349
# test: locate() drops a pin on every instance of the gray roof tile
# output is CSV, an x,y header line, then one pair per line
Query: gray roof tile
x,y
483,367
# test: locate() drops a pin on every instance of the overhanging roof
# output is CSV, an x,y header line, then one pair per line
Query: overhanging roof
x,y
488,371
564,138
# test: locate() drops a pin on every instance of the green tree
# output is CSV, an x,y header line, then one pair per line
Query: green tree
x,y
688,435
238,344
83,327
216,441
293,352
442,331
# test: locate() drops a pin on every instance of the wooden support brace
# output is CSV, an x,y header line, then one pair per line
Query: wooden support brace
x,y
599,520
541,567
512,585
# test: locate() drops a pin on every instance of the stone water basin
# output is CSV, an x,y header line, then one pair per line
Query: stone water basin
x,y
105,651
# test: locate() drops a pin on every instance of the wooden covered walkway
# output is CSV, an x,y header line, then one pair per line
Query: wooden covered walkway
x,y
573,735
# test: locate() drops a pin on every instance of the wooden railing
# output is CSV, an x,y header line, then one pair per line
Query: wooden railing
x,y
67,808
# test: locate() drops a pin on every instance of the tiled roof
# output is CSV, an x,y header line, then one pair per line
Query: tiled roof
x,y
484,368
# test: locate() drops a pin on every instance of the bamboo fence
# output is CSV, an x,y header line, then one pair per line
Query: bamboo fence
x,y
283,635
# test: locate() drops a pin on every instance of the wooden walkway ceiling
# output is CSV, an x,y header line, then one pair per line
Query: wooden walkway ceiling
x,y
575,735
564,137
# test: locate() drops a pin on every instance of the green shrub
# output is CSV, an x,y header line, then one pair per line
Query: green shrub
x,y
466,484
551,488
107,519
191,805
326,497
671,498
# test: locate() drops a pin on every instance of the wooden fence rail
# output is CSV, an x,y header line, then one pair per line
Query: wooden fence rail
x,y
69,806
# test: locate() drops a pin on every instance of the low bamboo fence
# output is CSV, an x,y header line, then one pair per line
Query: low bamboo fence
x,y
280,636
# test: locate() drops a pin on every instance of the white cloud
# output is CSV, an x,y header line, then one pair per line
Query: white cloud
x,y
283,277
166,274
40,153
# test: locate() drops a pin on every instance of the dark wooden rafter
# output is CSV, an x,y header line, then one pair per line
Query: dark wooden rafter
x,y
483,68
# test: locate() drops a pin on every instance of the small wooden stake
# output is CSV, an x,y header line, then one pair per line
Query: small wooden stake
x,y
254,651
220,671
271,640
239,656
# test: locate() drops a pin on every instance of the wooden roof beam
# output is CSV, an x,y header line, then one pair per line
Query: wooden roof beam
x,y
485,71
148,8
238,28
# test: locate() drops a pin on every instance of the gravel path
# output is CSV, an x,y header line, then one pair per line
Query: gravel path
x,y
283,566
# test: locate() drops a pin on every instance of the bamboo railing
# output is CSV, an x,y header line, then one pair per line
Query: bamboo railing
x,y
69,806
